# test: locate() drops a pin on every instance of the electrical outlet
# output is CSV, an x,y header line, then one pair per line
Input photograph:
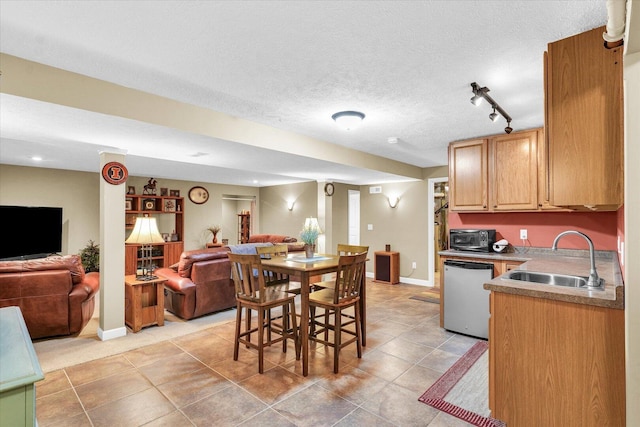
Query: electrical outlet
x,y
523,234
414,265
369,227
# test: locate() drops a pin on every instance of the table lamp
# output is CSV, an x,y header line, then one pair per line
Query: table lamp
x,y
145,232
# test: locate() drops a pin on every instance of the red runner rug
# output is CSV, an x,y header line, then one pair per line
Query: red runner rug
x,y
435,396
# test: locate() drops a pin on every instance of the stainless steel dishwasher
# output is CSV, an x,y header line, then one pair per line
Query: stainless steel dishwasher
x,y
466,302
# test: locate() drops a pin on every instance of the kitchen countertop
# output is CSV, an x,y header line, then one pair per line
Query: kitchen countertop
x,y
562,261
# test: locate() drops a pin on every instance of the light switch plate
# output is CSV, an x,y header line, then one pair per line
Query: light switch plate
x,y
369,227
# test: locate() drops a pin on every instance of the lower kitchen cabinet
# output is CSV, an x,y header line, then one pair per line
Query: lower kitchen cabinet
x,y
554,363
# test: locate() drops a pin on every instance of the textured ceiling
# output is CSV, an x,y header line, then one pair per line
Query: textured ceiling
x,y
407,65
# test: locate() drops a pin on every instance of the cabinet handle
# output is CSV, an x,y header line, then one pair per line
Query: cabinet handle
x,y
495,206
484,206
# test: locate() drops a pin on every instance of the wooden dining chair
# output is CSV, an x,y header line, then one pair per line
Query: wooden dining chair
x,y
252,294
342,249
344,294
272,279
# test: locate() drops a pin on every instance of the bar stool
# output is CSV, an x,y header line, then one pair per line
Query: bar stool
x,y
344,294
252,294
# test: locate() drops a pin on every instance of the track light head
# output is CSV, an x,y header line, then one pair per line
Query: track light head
x,y
508,129
476,99
493,116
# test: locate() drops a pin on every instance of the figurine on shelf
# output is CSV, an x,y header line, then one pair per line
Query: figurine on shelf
x,y
150,187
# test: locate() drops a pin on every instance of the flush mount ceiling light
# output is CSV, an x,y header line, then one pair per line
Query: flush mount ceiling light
x,y
348,120
480,93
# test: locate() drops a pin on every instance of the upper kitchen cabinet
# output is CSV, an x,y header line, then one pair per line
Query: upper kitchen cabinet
x,y
584,122
498,173
513,167
468,175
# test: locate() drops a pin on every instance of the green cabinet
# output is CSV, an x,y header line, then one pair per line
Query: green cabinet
x,y
19,370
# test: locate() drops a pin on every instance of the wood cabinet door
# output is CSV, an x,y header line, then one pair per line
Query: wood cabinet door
x,y
585,122
555,363
468,175
514,171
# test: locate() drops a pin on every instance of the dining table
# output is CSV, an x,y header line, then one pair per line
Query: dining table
x,y
299,266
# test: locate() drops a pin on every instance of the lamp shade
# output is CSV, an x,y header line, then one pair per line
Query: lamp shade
x,y
312,223
145,232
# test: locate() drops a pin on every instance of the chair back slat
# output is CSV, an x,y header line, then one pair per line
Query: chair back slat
x,y
266,252
349,277
351,249
248,276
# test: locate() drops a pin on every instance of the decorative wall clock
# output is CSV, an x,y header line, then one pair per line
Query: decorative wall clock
x,y
198,195
329,189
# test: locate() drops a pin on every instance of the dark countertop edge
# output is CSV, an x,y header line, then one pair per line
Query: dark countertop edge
x,y
612,297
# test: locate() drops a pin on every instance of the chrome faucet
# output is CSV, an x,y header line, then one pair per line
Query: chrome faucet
x,y
594,281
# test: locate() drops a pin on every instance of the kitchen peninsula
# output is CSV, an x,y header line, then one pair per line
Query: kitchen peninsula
x,y
556,353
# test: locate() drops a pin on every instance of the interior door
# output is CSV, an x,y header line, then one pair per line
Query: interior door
x,y
354,217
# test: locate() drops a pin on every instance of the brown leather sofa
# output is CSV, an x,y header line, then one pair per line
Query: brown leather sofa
x,y
291,242
199,284
55,295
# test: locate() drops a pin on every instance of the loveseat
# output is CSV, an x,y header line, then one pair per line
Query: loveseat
x,y
55,294
199,284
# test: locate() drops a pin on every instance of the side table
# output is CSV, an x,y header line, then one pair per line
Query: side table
x,y
214,245
143,302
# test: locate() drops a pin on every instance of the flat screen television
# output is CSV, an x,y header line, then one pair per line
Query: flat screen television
x,y
36,232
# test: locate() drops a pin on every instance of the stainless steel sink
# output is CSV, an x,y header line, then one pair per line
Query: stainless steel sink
x,y
551,279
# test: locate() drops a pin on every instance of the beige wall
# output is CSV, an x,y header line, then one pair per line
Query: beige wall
x,y
77,193
404,228
275,217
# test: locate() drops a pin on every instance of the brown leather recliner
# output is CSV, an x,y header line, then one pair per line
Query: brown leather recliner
x,y
55,295
200,284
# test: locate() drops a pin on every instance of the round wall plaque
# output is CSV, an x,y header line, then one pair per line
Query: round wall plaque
x,y
115,173
198,195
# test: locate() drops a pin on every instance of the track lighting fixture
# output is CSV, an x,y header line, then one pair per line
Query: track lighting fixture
x,y
480,93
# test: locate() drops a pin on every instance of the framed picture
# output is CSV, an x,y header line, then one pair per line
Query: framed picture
x,y
127,205
149,205
174,193
169,205
164,191
131,189
166,237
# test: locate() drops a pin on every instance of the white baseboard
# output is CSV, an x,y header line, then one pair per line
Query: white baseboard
x,y
409,281
112,333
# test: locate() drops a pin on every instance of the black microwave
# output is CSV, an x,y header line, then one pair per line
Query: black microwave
x,y
472,240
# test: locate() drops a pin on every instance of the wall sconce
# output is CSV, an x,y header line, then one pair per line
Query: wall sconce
x,y
348,120
290,204
393,201
480,93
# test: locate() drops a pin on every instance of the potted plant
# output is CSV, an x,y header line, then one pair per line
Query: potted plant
x,y
309,235
214,229
90,257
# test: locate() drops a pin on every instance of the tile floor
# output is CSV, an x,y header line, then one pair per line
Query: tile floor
x,y
194,381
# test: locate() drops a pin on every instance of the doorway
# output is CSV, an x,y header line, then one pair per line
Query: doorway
x,y
438,209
